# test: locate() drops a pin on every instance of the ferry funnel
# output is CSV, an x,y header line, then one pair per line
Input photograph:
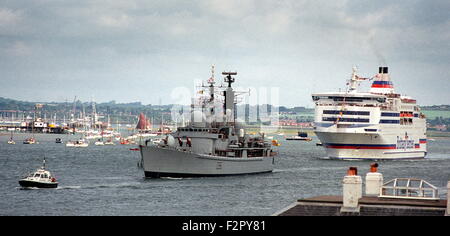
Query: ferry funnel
x,y
383,70
382,83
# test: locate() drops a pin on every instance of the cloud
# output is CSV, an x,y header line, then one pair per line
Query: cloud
x,y
299,45
9,16
121,20
231,9
9,21
19,48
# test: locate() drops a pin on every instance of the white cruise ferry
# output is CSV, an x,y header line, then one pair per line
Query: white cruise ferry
x,y
380,124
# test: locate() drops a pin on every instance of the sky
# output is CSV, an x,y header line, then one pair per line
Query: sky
x,y
149,51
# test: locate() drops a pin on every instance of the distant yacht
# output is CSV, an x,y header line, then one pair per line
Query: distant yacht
x,y
109,142
11,140
99,143
379,124
301,136
143,126
77,143
30,141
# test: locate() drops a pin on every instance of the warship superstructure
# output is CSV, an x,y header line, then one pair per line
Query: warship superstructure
x,y
379,124
212,144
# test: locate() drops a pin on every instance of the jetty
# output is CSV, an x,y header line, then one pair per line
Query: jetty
x,y
397,197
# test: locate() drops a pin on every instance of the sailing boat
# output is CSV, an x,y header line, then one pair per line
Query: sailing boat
x,y
100,142
31,140
78,143
11,140
109,142
110,133
144,127
301,136
143,123
163,130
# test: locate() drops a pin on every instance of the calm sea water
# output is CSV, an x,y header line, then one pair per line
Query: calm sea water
x,y
105,180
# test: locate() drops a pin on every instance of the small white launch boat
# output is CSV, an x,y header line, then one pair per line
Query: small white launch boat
x,y
41,178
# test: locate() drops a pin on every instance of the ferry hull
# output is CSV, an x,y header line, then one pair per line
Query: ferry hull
x,y
165,162
349,146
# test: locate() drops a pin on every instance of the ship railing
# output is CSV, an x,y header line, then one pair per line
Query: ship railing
x,y
409,188
184,149
247,148
348,104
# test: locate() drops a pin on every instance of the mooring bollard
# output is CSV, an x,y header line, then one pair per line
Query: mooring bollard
x,y
352,190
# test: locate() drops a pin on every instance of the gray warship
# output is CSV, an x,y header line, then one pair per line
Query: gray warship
x,y
212,144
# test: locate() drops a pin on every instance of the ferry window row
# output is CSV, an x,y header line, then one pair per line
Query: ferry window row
x,y
391,114
348,99
406,121
389,121
401,114
335,112
335,119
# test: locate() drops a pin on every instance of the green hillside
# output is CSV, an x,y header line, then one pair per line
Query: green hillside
x,y
433,114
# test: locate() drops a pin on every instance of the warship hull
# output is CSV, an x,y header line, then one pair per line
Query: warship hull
x,y
166,162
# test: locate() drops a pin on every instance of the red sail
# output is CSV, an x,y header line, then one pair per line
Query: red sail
x,y
143,123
